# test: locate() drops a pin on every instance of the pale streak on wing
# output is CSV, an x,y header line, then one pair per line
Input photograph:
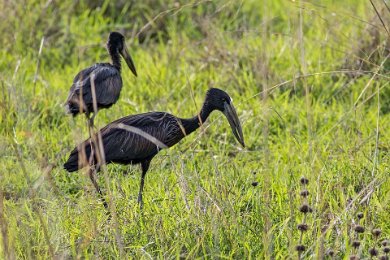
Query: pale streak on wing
x,y
145,135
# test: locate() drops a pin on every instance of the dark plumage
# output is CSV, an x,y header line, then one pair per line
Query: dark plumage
x,y
125,146
107,80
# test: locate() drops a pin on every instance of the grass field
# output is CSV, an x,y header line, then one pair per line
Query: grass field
x,y
309,81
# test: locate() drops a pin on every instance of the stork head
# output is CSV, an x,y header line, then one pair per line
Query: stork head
x,y
117,41
218,99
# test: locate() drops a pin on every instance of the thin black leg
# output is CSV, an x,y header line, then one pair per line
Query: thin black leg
x,y
91,159
91,120
92,176
89,125
94,165
145,167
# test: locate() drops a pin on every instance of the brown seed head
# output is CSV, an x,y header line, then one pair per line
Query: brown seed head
x,y
255,183
386,250
303,227
304,193
330,253
356,243
373,251
360,215
376,232
304,181
353,257
359,229
305,208
324,228
385,242
300,248
384,257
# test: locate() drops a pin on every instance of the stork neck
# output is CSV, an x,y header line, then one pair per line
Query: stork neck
x,y
191,124
116,60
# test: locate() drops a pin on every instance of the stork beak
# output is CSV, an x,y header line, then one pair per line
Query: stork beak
x,y
231,115
129,60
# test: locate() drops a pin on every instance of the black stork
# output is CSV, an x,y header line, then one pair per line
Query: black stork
x,y
105,77
136,139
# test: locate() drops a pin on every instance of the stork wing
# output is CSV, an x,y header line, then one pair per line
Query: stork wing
x,y
122,144
108,84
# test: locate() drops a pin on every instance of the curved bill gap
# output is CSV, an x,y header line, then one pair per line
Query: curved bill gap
x,y
231,115
129,60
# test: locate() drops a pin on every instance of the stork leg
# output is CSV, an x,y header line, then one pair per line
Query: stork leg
x,y
92,176
89,126
92,120
91,123
94,166
145,167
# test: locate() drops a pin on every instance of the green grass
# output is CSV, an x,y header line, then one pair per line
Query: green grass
x,y
314,105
